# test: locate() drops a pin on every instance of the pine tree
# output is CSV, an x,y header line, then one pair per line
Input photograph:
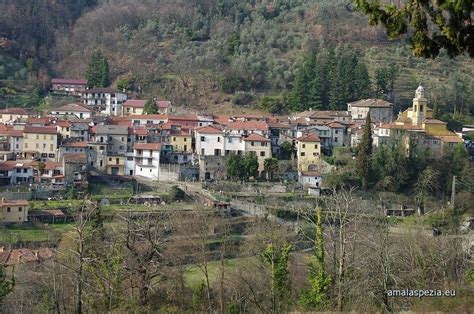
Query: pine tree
x,y
364,154
97,73
362,81
337,89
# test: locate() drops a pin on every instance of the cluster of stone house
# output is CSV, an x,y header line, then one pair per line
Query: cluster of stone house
x,y
111,134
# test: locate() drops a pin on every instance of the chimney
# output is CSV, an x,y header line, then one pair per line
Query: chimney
x,y
2,249
310,109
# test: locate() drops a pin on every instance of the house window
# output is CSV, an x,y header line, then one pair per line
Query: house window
x,y
316,146
302,154
262,154
110,159
335,139
218,139
252,143
20,209
51,155
304,145
130,158
101,147
336,131
184,140
8,209
174,139
18,170
203,139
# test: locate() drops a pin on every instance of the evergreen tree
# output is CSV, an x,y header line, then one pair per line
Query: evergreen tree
x,y
364,154
362,81
97,73
337,90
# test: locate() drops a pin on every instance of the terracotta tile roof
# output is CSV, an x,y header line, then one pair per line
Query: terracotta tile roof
x,y
163,104
433,121
14,111
72,108
135,103
138,131
248,125
401,126
62,123
40,130
450,138
74,158
68,81
17,256
163,117
311,137
180,133
16,133
210,129
187,117
4,202
374,103
335,124
147,146
47,212
42,120
12,164
256,138
221,119
81,144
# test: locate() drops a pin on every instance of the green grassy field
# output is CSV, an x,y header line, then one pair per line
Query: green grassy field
x,y
28,233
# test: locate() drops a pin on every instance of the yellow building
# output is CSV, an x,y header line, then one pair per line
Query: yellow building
x,y
40,142
115,165
133,107
260,146
416,129
181,141
14,210
308,148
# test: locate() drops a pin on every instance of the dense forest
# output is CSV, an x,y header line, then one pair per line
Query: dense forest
x,y
205,53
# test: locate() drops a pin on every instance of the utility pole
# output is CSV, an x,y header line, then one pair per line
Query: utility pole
x,y
453,192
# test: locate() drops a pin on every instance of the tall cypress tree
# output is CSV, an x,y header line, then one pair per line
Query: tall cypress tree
x,y
364,154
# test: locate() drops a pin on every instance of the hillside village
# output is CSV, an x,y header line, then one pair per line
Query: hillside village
x,y
106,132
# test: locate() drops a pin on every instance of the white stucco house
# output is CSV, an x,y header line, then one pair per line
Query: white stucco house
x,y
106,101
146,157
209,141
80,111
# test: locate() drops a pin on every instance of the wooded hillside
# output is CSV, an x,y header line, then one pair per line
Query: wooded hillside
x,y
205,53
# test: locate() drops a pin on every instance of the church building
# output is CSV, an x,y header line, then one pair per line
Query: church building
x,y
417,130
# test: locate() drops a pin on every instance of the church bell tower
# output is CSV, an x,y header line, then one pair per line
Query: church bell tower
x,y
420,105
